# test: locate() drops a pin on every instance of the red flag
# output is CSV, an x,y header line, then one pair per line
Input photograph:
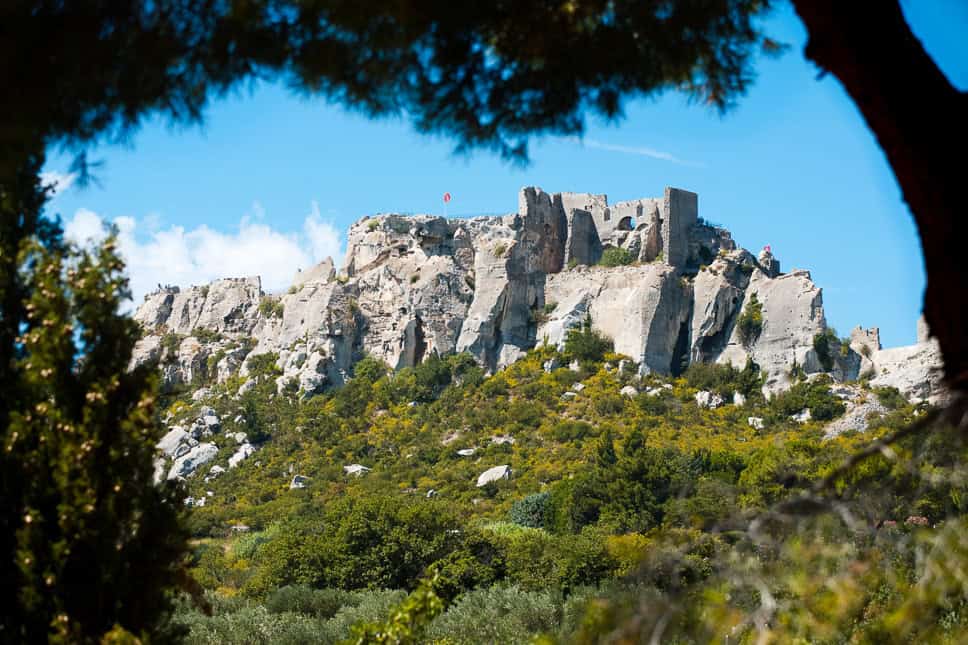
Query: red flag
x,y
446,197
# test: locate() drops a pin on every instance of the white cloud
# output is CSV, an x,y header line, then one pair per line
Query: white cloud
x,y
175,255
643,151
59,181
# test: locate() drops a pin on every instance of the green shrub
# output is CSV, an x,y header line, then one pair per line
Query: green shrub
x,y
750,322
263,365
302,599
531,511
609,404
890,397
615,257
500,250
586,344
496,615
170,343
271,307
814,396
206,335
821,347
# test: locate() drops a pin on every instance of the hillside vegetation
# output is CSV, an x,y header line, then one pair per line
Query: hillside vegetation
x,y
626,501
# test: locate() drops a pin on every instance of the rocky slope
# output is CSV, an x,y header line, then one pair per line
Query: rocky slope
x,y
497,286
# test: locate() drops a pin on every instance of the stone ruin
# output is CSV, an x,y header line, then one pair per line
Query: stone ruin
x,y
497,286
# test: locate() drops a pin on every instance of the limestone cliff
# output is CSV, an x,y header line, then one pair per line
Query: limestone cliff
x,y
497,286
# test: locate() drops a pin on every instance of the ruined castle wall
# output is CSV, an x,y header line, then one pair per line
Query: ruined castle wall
x,y
680,211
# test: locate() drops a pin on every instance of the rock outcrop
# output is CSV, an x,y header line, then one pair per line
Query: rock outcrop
x,y
497,286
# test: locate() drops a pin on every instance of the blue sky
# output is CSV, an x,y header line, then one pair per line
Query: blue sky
x,y
271,181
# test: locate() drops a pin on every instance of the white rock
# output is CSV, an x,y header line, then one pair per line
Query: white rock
x,y
569,395
172,440
494,474
187,464
214,472
803,416
298,481
201,394
739,399
578,387
245,387
629,391
550,365
756,422
466,452
241,454
709,400
356,470
240,437
500,439
159,472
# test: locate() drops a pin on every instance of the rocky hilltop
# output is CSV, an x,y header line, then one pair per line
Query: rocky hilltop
x,y
497,286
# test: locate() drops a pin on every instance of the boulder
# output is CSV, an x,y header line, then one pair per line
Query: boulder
x,y
187,464
495,474
355,469
175,437
757,423
803,416
628,391
467,452
243,452
298,481
709,400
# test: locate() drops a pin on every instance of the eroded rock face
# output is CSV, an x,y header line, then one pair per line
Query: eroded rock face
x,y
497,286
641,308
792,311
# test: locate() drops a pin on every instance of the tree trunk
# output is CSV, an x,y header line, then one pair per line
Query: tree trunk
x,y
921,123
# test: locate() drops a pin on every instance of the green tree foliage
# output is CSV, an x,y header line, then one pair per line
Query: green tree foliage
x,y
750,322
586,344
531,511
88,543
380,542
616,257
409,621
725,379
821,347
812,395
